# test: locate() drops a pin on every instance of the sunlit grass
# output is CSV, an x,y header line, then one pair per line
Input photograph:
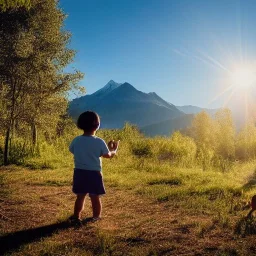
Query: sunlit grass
x,y
211,200
197,189
160,174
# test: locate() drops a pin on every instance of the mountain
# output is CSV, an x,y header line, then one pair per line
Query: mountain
x,y
110,86
119,103
189,109
166,128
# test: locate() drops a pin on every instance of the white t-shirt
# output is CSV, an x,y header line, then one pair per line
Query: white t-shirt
x,y
87,151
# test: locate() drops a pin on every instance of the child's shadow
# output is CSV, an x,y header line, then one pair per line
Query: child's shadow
x,y
15,240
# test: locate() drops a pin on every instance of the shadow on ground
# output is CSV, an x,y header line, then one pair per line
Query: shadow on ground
x,y
15,240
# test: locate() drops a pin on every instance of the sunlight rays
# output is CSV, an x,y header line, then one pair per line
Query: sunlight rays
x,y
213,61
240,76
225,104
220,94
236,70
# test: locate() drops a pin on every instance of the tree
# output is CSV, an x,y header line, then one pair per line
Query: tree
x,y
246,142
225,135
204,133
33,56
14,4
204,130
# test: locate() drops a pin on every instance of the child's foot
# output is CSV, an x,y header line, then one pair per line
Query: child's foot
x,y
96,219
75,221
91,219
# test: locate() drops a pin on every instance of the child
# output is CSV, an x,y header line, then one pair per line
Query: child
x,y
88,150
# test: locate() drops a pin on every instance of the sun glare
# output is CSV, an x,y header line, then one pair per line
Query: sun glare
x,y
243,77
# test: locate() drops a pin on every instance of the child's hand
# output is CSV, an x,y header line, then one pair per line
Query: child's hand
x,y
113,145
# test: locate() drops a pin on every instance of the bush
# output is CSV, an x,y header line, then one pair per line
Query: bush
x,y
20,150
221,163
246,143
204,157
180,149
142,148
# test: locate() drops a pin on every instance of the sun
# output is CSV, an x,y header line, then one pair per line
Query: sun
x,y
243,77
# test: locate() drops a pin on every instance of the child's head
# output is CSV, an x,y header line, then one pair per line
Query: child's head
x,y
88,121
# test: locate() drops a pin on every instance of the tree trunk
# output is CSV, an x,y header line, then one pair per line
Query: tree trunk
x,y
6,146
34,135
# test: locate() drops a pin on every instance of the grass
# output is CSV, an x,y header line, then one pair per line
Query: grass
x,y
160,201
152,208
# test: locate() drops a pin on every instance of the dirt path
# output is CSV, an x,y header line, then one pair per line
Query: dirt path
x,y
131,225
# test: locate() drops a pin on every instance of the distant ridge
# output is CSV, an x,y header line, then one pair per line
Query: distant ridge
x,y
166,128
189,109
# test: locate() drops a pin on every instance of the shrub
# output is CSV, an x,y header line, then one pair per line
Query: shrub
x,y
20,150
246,143
142,148
204,157
180,149
221,163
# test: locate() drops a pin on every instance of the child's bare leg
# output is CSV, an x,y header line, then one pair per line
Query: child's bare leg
x,y
96,206
79,205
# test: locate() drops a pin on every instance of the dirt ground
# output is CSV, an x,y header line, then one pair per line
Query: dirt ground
x,y
33,222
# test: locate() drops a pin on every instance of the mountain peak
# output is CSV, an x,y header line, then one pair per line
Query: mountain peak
x,y
112,82
110,86
127,86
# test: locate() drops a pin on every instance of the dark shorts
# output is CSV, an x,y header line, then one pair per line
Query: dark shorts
x,y
85,181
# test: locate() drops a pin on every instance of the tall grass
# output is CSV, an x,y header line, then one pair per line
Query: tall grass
x,y
177,150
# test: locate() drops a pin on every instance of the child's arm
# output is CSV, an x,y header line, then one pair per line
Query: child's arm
x,y
110,154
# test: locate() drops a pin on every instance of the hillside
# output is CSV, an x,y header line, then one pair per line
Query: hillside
x,y
189,109
167,127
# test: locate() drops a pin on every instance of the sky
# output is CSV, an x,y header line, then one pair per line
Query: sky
x,y
183,50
